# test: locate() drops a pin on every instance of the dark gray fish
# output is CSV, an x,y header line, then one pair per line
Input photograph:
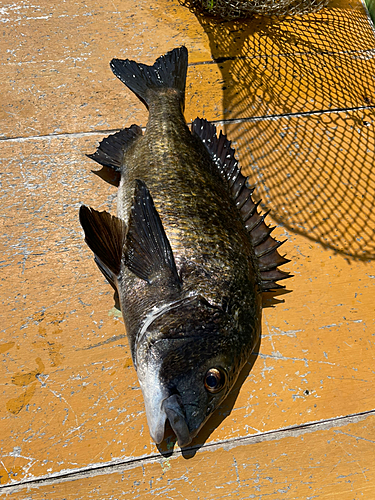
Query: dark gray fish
x,y
188,253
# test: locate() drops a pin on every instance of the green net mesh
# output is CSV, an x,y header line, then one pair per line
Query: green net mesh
x,y
233,9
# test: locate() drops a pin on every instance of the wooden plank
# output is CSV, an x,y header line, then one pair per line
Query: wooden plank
x,y
38,37
70,397
56,76
67,406
311,463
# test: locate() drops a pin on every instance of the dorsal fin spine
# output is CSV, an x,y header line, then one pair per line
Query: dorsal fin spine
x,y
233,177
265,246
241,183
252,224
243,198
253,210
262,253
259,220
262,235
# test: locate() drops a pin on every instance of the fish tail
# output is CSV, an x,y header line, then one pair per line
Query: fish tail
x,y
168,71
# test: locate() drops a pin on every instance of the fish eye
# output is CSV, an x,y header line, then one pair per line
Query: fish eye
x,y
215,379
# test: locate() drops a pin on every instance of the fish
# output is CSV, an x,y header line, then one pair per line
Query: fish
x,y
188,253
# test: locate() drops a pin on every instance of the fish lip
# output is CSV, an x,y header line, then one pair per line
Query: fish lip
x,y
174,410
156,418
154,394
158,429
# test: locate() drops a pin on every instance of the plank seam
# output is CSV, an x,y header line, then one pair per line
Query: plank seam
x,y
123,465
220,60
216,122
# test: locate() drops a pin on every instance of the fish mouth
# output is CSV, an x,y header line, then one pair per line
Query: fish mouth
x,y
173,410
161,405
175,413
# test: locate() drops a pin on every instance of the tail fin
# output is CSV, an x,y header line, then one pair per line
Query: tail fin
x,y
168,71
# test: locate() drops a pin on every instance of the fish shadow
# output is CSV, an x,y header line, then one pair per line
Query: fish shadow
x,y
271,299
298,102
220,414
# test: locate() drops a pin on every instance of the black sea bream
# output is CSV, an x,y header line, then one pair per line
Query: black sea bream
x,y
188,253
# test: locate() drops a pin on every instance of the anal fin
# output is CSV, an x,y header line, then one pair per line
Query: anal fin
x,y
111,151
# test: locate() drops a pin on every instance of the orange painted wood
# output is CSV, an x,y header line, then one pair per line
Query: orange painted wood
x,y
67,406
70,400
60,81
328,463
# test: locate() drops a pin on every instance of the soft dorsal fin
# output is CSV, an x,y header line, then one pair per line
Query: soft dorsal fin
x,y
148,253
111,151
105,236
265,246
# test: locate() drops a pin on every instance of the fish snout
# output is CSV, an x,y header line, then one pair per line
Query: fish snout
x,y
175,413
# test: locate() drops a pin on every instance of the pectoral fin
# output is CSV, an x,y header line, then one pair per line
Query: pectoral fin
x,y
148,253
105,236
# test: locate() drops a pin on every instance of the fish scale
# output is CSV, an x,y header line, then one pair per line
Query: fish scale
x,y
188,254
187,197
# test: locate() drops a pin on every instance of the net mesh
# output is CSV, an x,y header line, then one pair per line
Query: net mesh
x,y
233,9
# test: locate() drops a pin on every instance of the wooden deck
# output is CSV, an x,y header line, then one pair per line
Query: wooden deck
x,y
297,97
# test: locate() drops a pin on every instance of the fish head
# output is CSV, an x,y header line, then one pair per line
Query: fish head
x,y
188,360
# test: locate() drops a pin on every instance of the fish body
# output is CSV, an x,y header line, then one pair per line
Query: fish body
x,y
188,253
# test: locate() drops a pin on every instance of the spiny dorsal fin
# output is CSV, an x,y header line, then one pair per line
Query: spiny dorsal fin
x,y
110,153
265,247
105,236
148,253
168,71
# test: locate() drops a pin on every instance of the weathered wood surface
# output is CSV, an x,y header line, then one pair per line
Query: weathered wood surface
x,y
297,97
311,463
56,76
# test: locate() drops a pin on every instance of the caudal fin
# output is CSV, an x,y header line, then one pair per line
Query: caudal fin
x,y
168,71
